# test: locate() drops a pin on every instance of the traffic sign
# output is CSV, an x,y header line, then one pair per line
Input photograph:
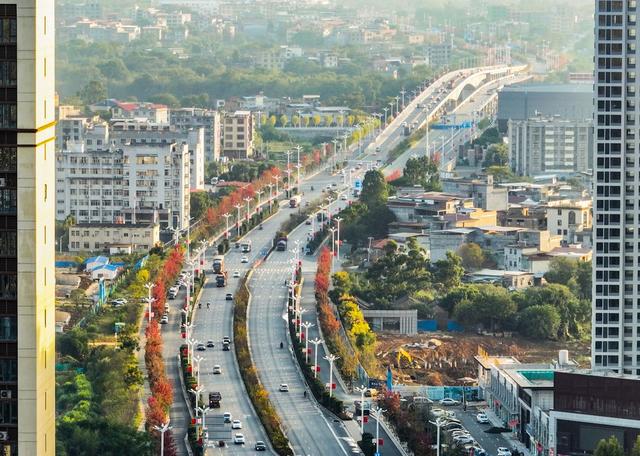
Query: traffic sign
x,y
357,184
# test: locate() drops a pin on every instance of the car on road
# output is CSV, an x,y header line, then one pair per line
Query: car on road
x,y
308,221
226,340
482,418
225,346
448,401
238,439
378,149
217,369
210,344
260,446
201,347
164,320
236,274
343,198
504,451
227,417
244,259
228,297
236,424
284,388
118,302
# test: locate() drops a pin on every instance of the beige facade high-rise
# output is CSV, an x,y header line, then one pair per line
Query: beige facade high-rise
x,y
27,214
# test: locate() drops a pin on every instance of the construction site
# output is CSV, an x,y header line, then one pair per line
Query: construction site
x,y
442,358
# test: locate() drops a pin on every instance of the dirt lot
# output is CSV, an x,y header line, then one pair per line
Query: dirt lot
x,y
447,358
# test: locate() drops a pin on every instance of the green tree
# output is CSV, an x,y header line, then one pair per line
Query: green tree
x,y
561,270
199,203
422,171
609,447
375,191
464,292
93,92
449,271
492,307
168,99
501,173
539,322
114,69
472,256
635,451
497,155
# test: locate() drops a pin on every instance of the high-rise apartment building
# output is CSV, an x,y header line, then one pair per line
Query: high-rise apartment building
x,y
237,137
27,231
616,266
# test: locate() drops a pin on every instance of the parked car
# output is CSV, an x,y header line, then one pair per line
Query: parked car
x,y
462,439
284,388
504,451
238,439
260,446
449,401
236,424
482,418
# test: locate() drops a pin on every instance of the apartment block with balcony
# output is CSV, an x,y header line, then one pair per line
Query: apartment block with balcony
x,y
186,118
237,135
137,183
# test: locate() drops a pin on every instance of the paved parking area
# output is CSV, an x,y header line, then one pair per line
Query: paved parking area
x,y
490,442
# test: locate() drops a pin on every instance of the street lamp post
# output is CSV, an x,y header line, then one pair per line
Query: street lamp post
x,y
306,325
361,390
315,342
377,414
288,170
149,286
197,360
333,246
338,220
238,207
437,424
196,392
248,200
331,358
385,118
190,343
369,250
298,149
276,179
226,216
162,429
259,193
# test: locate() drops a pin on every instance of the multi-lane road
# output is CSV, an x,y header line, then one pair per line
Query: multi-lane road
x,y
310,430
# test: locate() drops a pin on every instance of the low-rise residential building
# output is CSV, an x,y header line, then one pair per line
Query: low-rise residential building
x,y
485,195
153,112
531,218
567,218
512,280
95,237
237,136
421,208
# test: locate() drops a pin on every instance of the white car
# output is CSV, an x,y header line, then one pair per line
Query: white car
x,y
217,369
463,439
482,418
119,302
284,388
343,198
244,259
238,439
448,401
438,412
227,417
236,424
504,451
236,274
